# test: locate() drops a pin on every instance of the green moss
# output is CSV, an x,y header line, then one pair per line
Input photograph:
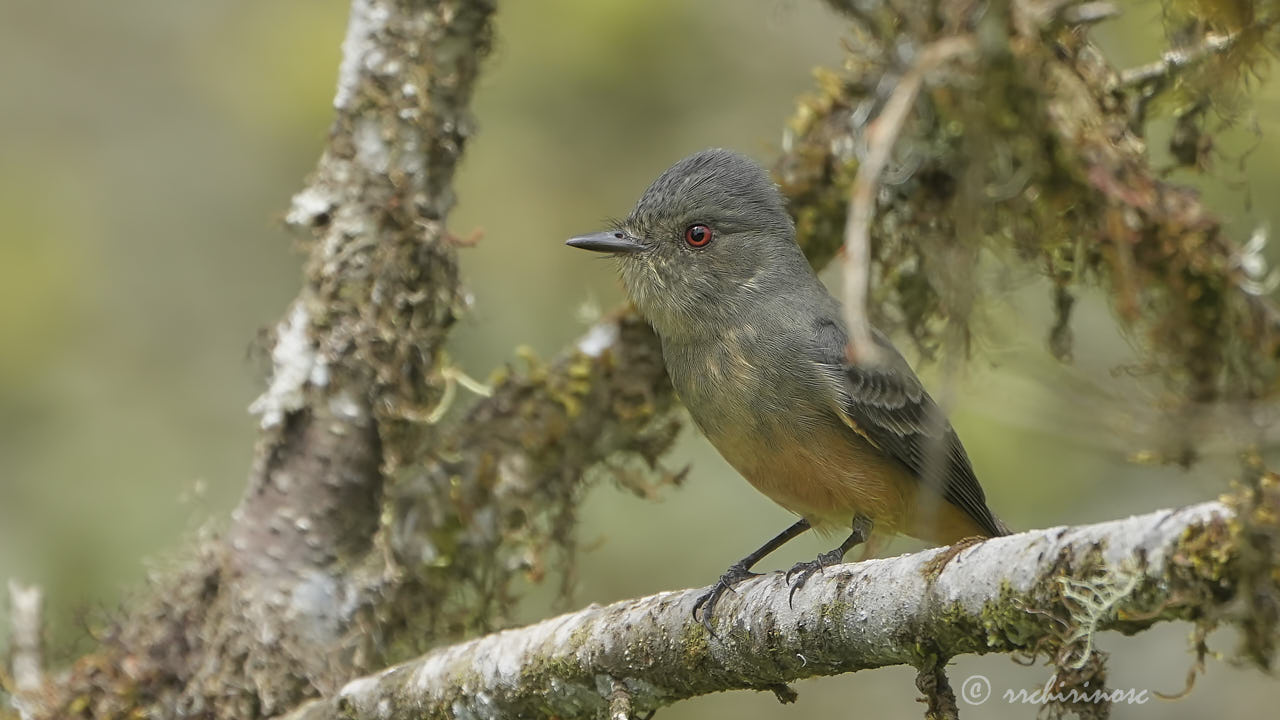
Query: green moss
x,y
695,644
1001,625
1068,191
836,611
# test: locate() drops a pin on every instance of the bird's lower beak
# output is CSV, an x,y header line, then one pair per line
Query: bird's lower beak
x,y
609,241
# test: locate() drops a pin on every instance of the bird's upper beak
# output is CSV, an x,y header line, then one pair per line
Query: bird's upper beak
x,y
608,241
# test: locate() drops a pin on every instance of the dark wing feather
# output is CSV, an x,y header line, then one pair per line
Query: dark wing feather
x,y
889,407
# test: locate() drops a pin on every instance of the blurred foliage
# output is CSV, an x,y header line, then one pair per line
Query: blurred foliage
x,y
1039,157
151,147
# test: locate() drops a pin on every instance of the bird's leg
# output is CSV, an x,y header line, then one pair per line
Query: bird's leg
x,y
804,570
741,570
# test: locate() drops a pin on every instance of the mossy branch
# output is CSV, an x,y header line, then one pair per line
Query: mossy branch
x,y
263,617
1016,594
1034,153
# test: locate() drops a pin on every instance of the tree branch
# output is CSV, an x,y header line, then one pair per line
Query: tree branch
x,y
26,618
881,135
281,608
1174,60
1009,594
355,363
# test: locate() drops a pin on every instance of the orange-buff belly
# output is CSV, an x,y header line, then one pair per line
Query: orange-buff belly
x,y
833,474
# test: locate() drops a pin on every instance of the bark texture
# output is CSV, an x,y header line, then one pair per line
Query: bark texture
x,y
293,598
919,610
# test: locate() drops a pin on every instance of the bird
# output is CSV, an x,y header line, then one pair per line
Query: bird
x,y
756,349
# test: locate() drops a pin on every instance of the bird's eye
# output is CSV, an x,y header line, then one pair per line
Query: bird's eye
x,y
697,235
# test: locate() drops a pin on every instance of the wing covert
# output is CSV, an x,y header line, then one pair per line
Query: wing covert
x,y
889,407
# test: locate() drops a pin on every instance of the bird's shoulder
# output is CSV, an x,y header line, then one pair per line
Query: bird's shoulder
x,y
889,383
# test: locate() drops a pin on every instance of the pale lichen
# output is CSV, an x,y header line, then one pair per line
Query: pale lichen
x,y
295,364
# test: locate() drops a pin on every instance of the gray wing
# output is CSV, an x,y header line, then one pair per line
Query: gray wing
x,y
889,407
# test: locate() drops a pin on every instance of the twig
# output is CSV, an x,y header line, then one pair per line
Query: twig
x,y
1173,60
26,605
619,700
1089,13
938,695
882,134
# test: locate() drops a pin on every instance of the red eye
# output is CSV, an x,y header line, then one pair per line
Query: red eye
x,y
697,235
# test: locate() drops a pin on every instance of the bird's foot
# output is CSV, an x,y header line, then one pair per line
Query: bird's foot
x,y
802,571
736,573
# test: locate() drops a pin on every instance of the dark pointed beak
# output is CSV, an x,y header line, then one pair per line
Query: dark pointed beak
x,y
609,241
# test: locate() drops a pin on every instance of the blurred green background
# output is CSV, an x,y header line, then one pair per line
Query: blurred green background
x,y
150,148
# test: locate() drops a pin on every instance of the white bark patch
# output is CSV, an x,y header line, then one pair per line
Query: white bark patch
x,y
358,48
294,362
307,206
371,149
599,338
26,604
315,599
359,686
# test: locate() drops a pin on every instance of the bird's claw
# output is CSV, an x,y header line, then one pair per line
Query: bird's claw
x,y
707,603
805,570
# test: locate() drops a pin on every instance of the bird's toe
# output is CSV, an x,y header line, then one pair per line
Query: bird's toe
x,y
708,601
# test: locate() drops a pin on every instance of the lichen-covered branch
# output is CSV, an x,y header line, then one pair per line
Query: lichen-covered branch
x,y
1016,594
1033,153
882,135
497,501
26,608
278,608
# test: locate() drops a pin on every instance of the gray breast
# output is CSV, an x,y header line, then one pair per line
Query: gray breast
x,y
746,382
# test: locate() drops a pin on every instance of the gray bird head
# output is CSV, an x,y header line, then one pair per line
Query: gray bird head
x,y
709,239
